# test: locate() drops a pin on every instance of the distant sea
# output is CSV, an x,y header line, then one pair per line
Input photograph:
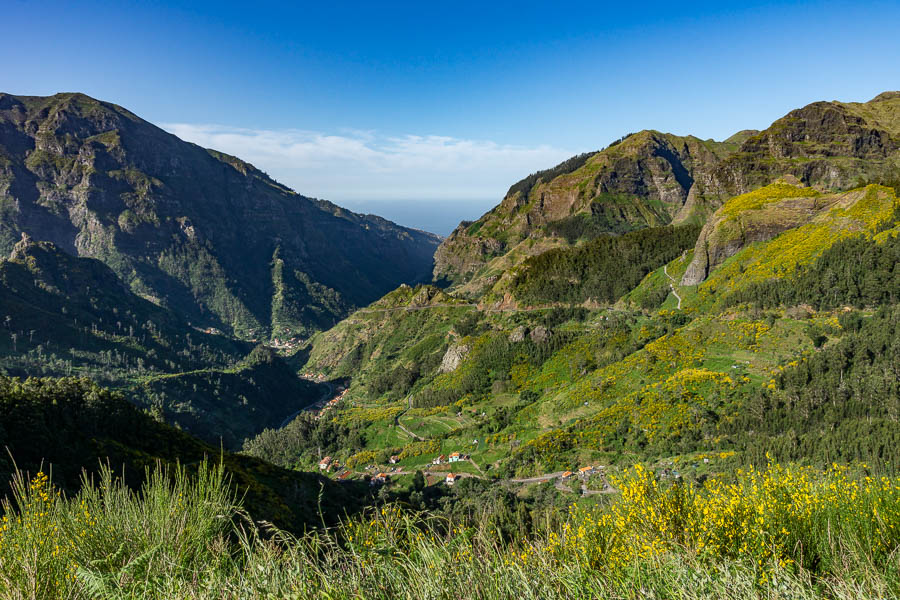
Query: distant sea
x,y
437,216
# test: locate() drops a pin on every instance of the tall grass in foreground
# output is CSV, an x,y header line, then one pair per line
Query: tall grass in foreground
x,y
776,533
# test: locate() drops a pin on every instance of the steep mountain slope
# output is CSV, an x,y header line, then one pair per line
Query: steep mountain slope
x,y
827,145
199,231
226,406
805,221
550,351
650,179
64,315
65,425
404,333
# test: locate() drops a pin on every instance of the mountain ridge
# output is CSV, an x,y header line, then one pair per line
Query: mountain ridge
x,y
650,178
194,228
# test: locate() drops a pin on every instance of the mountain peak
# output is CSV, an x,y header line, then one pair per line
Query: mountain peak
x,y
889,95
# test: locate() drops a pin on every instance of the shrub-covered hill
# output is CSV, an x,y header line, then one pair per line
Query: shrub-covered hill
x,y
201,232
66,425
63,314
648,179
759,243
657,371
653,179
602,270
409,327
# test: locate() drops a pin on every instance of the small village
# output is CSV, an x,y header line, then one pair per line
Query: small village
x,y
379,475
439,469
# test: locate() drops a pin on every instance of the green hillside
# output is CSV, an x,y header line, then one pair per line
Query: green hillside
x,y
650,179
65,316
663,367
228,405
542,381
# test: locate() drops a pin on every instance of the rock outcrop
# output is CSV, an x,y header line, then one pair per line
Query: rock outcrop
x,y
759,216
453,357
648,179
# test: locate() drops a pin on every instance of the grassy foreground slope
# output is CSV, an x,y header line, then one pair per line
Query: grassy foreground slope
x,y
758,536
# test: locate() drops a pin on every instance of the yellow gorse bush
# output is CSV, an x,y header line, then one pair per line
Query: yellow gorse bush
x,y
781,255
777,517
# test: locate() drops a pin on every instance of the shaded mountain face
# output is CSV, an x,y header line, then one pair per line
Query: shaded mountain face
x,y
201,232
63,313
650,179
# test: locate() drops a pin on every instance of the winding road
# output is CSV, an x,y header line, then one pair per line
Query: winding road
x,y
407,431
400,425
672,285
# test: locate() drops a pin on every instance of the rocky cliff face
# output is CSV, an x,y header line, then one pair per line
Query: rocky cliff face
x,y
651,179
754,217
194,229
828,145
648,179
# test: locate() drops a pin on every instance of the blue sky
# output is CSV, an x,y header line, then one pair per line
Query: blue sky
x,y
428,111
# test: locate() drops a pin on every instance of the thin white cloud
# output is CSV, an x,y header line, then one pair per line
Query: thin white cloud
x,y
361,165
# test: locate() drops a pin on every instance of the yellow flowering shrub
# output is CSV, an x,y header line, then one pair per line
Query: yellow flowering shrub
x,y
775,516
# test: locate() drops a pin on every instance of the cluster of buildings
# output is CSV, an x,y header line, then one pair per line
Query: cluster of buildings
x,y
288,344
454,457
583,472
317,377
342,391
